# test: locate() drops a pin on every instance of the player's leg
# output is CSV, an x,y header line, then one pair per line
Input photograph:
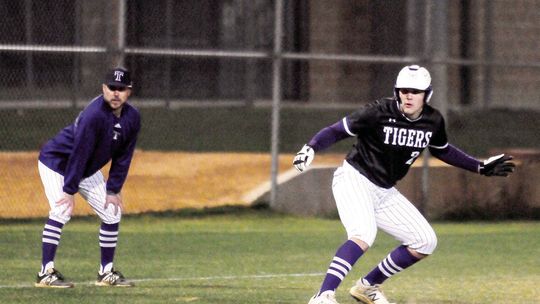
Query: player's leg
x,y
93,189
53,183
367,289
398,217
354,203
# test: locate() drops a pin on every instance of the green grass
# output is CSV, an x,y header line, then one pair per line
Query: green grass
x,y
256,256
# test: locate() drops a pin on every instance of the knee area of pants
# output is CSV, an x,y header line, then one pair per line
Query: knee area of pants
x,y
59,217
113,219
366,241
109,217
426,245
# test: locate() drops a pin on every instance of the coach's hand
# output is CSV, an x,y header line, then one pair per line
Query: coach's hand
x,y
68,201
303,158
498,165
114,199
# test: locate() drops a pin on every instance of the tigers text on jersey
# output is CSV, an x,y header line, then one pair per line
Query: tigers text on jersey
x,y
96,137
388,142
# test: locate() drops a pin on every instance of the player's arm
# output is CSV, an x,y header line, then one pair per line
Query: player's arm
x,y
85,135
494,166
117,176
322,140
84,139
120,166
119,169
120,163
499,165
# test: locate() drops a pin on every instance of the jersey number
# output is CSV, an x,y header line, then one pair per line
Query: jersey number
x,y
414,155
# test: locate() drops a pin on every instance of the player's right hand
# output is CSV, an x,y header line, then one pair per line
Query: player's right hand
x,y
303,158
498,165
68,201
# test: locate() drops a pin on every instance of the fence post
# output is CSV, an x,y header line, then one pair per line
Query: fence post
x,y
276,97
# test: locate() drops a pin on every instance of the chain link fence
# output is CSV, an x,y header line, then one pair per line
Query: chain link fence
x,y
202,70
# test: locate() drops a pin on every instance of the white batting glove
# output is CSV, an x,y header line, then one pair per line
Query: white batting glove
x,y
303,158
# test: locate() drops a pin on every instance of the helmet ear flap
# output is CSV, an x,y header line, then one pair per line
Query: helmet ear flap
x,y
429,93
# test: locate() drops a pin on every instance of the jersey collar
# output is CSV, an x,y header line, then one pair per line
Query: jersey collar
x,y
407,118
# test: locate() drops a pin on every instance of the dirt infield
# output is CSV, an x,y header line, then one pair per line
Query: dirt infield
x,y
157,181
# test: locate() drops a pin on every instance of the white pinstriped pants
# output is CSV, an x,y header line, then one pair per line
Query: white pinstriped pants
x,y
364,206
92,189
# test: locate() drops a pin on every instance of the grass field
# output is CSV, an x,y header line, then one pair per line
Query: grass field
x,y
256,256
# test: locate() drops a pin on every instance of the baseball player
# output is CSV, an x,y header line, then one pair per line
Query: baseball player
x,y
106,130
391,133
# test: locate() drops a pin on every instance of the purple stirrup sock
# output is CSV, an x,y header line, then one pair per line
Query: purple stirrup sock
x,y
52,231
108,236
341,264
396,261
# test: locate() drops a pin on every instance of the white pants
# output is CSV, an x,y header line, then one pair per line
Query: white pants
x,y
364,206
92,189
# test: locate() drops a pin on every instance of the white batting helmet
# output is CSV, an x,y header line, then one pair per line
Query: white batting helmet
x,y
414,77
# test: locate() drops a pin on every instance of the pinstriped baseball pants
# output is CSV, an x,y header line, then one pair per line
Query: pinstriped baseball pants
x,y
364,207
92,189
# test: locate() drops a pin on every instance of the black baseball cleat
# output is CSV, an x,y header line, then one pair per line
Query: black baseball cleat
x,y
113,278
52,278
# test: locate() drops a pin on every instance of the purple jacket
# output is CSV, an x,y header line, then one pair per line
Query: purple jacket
x,y
96,137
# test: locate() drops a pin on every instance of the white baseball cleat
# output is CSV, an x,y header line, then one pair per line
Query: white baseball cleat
x,y
327,297
368,294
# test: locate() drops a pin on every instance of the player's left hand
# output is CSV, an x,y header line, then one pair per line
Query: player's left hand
x,y
498,165
116,200
303,158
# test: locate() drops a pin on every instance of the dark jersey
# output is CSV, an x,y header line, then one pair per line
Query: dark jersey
x,y
388,142
96,137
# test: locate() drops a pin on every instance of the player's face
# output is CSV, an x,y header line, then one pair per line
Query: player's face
x,y
116,97
412,102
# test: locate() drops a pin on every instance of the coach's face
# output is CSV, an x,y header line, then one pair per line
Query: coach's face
x,y
116,97
412,102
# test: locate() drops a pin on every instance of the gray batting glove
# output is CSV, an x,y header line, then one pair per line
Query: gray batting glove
x,y
303,158
498,165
